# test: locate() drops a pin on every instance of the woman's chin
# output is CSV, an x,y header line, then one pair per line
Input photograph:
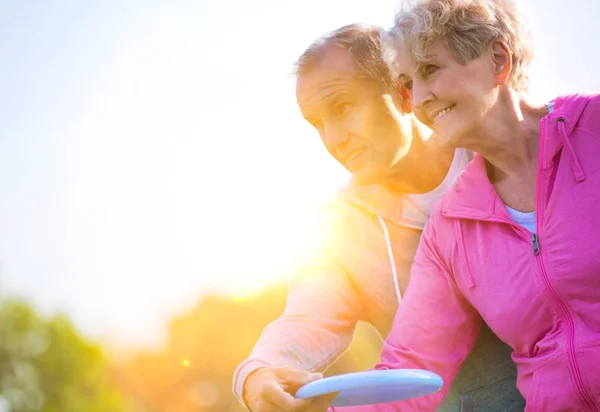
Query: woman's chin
x,y
446,139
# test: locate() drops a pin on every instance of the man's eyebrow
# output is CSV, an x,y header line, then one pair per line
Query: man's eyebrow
x,y
323,102
334,96
327,94
319,101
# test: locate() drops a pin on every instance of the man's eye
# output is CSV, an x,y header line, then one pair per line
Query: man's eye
x,y
343,108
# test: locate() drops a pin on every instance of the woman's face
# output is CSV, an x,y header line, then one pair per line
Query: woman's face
x,y
449,97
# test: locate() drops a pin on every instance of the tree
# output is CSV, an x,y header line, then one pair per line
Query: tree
x,y
192,372
46,365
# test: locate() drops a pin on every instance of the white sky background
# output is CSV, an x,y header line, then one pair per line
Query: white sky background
x,y
151,152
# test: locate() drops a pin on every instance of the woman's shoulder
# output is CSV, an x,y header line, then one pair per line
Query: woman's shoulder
x,y
575,104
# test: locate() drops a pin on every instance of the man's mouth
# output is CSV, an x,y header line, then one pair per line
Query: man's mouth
x,y
354,155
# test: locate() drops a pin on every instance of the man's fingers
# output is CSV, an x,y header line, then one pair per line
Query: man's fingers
x,y
327,399
321,403
273,389
293,386
296,375
279,398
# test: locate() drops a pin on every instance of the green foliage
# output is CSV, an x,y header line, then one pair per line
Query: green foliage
x,y
45,365
193,371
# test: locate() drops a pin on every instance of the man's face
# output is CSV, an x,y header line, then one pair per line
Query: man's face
x,y
358,121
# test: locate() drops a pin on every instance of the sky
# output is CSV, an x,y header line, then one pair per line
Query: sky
x,y
151,152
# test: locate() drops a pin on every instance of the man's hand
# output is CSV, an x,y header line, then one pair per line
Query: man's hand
x,y
272,390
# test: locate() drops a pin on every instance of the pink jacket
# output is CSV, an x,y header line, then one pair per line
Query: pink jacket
x,y
539,293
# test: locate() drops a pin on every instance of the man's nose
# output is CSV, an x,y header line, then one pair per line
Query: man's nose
x,y
335,136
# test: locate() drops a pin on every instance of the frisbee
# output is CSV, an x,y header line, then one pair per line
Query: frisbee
x,y
376,386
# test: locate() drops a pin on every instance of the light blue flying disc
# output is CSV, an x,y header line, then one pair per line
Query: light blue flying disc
x,y
377,386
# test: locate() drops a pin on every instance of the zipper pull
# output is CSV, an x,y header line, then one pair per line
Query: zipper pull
x,y
536,244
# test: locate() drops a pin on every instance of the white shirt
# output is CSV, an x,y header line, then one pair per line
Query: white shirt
x,y
417,207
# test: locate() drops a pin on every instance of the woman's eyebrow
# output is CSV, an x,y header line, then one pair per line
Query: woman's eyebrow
x,y
428,59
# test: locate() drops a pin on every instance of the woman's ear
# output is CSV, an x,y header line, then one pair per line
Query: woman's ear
x,y
502,62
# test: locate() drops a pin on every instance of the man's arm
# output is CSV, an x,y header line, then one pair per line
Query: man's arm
x,y
320,316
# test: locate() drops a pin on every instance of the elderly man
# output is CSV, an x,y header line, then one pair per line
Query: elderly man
x,y
361,268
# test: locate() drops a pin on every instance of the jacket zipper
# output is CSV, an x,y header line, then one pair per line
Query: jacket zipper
x,y
583,393
535,241
536,244
571,334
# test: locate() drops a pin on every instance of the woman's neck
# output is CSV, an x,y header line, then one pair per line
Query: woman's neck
x,y
509,138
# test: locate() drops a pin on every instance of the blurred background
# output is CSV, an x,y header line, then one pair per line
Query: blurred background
x,y
158,183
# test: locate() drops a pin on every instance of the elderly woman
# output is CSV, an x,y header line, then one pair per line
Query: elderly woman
x,y
516,242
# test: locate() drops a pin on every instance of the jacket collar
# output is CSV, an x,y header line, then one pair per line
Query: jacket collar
x,y
474,197
567,109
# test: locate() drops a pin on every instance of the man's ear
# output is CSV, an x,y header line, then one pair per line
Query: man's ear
x,y
405,103
502,62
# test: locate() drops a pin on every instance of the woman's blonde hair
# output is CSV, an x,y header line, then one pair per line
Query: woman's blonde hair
x,y
467,27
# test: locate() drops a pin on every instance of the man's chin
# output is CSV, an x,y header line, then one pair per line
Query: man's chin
x,y
369,177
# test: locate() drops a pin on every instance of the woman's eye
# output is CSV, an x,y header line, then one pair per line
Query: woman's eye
x,y
408,85
430,69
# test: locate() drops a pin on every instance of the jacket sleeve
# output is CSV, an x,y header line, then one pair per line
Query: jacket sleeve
x,y
434,328
319,319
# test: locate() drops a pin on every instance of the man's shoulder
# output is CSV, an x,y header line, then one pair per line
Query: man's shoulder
x,y
343,214
357,238
374,201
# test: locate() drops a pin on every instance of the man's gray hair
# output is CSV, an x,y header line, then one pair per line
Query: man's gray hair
x,y
364,45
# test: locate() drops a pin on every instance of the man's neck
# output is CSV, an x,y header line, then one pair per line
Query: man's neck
x,y
424,167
